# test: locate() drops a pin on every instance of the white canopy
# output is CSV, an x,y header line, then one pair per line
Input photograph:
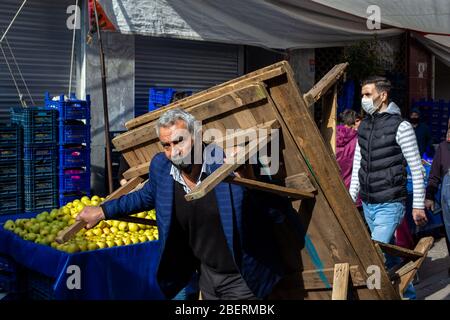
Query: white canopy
x,y
429,19
283,24
278,24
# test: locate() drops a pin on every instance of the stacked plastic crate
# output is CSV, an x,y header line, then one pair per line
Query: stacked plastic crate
x,y
39,128
11,171
74,146
436,115
159,97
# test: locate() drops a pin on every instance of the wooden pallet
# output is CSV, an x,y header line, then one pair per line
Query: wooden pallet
x,y
334,232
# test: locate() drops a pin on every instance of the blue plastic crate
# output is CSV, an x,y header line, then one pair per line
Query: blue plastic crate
x,y
71,109
36,168
38,184
7,264
73,157
65,198
11,185
159,97
10,169
34,116
40,135
40,287
8,282
10,135
11,204
74,181
74,134
10,153
42,152
40,201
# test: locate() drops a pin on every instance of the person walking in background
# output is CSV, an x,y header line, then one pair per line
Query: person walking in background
x,y
440,175
386,143
346,139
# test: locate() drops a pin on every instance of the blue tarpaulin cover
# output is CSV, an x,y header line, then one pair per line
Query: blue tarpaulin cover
x,y
125,272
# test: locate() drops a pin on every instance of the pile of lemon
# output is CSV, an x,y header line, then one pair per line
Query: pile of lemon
x,y
44,228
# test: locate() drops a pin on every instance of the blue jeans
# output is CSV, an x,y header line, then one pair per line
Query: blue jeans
x,y
383,219
445,204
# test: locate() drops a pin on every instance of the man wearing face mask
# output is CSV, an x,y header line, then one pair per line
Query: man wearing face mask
x,y
226,236
386,144
423,134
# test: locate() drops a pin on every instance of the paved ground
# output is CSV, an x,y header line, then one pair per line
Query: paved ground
x,y
434,280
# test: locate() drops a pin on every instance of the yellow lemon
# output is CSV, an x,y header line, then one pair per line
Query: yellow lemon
x,y
133,227
123,226
101,244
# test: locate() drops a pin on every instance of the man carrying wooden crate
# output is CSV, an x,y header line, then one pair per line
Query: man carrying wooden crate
x,y
226,235
386,143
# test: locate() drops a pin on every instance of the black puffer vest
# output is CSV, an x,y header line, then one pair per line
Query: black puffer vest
x,y
382,175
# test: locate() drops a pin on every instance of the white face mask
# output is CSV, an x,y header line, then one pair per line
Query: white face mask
x,y
368,106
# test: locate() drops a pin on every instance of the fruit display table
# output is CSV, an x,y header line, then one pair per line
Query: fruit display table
x,y
122,272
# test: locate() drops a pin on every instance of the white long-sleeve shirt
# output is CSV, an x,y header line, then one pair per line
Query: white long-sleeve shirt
x,y
406,139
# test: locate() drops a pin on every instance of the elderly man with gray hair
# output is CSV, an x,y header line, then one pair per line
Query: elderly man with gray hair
x,y
226,236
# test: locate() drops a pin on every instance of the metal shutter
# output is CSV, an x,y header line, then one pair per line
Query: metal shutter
x,y
41,43
182,65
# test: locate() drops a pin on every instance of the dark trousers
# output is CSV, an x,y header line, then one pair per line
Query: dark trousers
x,y
219,286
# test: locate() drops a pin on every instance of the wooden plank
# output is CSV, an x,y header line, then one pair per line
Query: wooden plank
x,y
257,76
329,119
293,110
402,270
422,247
341,281
130,157
206,110
128,187
313,279
225,170
300,181
137,171
242,135
69,232
321,87
399,251
272,188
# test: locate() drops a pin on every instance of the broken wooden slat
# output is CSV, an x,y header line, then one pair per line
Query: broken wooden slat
x,y
272,188
128,187
225,170
399,251
69,232
321,87
422,246
214,92
341,281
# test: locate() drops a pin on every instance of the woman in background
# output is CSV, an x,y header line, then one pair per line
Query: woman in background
x,y
346,138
